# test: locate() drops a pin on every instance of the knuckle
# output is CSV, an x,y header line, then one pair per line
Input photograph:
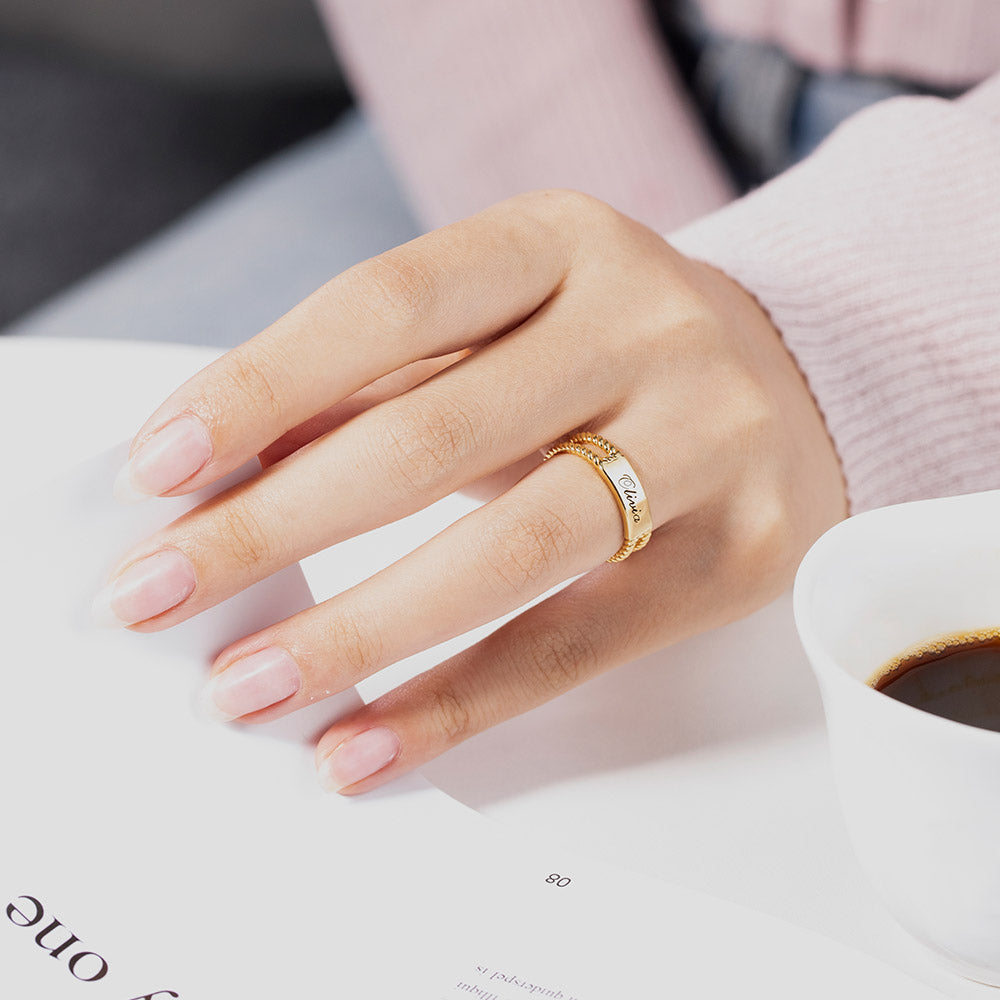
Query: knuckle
x,y
570,213
561,657
395,290
752,399
354,643
242,536
450,716
565,202
694,319
683,324
422,444
256,380
519,553
751,417
769,538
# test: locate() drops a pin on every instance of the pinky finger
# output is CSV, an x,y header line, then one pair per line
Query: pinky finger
x,y
605,619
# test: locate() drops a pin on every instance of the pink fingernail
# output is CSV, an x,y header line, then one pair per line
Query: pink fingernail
x,y
173,454
146,589
250,684
358,757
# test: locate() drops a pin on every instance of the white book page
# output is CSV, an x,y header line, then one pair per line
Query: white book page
x,y
147,854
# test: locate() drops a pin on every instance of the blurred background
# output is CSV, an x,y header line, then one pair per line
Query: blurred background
x,y
117,117
185,171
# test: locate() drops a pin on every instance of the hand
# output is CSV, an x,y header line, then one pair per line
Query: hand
x,y
450,359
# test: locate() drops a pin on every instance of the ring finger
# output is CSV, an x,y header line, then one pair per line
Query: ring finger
x,y
559,521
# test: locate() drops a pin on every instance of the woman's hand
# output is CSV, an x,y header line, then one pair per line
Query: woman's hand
x,y
448,360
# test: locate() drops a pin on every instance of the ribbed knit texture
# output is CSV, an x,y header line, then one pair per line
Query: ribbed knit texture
x,y
878,259
478,100
945,42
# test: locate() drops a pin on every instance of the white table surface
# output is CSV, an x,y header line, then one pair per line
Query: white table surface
x,y
705,764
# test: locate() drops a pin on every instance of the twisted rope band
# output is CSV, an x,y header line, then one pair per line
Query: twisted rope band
x,y
617,472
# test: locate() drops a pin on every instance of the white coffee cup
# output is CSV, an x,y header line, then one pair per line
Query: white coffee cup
x,y
921,794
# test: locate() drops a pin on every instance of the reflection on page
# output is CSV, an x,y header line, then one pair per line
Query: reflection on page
x,y
146,854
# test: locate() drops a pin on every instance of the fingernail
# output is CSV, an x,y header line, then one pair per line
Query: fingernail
x,y
146,589
250,684
174,453
358,757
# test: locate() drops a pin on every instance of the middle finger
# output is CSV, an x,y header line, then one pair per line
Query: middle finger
x,y
488,411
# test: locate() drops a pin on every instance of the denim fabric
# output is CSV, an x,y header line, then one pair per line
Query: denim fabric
x,y
764,111
824,100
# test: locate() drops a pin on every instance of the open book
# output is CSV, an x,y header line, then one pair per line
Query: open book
x,y
147,854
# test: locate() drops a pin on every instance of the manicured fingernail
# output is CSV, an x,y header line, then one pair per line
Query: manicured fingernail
x,y
174,453
146,589
358,757
250,684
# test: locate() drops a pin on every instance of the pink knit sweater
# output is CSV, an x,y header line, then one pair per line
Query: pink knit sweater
x,y
878,258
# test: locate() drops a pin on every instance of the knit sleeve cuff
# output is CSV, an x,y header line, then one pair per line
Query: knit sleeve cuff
x,y
878,260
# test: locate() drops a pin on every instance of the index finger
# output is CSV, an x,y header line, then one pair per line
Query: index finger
x,y
450,289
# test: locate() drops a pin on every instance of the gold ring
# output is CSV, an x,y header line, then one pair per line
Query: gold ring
x,y
623,481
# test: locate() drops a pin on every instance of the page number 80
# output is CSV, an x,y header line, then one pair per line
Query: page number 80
x,y
560,880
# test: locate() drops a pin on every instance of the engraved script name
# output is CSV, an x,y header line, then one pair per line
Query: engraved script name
x,y
627,483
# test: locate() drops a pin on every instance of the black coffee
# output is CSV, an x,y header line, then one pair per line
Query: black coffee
x,y
955,676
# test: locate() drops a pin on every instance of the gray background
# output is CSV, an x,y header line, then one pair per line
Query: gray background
x,y
117,117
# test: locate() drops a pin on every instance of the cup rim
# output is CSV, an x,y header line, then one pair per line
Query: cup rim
x,y
824,665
